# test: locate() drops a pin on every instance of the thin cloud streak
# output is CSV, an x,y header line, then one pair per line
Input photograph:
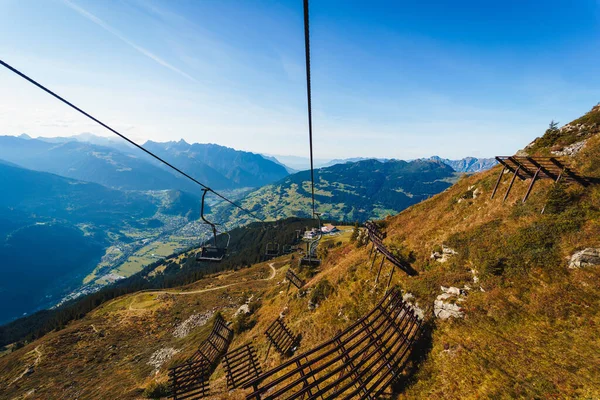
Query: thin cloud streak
x,y
116,33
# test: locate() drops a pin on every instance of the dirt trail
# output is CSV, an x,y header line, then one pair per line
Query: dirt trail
x,y
30,368
131,308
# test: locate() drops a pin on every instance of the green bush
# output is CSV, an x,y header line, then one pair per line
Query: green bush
x,y
323,290
355,232
156,390
558,199
243,322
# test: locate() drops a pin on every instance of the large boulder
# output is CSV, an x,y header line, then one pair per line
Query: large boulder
x,y
585,258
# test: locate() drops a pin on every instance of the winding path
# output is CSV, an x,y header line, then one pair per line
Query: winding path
x,y
131,308
30,367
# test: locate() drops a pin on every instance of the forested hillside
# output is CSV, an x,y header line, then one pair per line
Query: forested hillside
x,y
55,230
247,247
348,192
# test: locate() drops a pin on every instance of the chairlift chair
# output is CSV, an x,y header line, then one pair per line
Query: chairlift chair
x,y
310,258
272,249
211,252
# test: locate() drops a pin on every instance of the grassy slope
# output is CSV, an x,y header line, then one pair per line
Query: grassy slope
x,y
106,354
532,332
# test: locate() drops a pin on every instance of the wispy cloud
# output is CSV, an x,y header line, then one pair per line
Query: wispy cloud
x,y
118,34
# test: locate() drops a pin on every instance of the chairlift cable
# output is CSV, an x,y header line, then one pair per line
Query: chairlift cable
x,y
308,95
50,92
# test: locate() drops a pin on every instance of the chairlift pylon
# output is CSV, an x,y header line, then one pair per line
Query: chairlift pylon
x,y
211,252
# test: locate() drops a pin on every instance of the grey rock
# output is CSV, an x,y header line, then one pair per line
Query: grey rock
x,y
585,258
571,150
445,310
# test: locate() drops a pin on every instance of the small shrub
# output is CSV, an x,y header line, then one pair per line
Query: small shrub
x,y
403,254
468,195
243,322
321,291
558,199
355,233
156,390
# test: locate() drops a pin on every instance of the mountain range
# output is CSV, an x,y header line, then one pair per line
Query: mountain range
x,y
110,165
353,191
466,165
123,207
218,166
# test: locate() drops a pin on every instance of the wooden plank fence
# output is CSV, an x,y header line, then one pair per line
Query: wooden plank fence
x,y
280,336
359,362
376,237
190,379
241,366
294,279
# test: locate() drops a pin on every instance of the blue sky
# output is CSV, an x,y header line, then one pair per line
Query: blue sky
x,y
400,79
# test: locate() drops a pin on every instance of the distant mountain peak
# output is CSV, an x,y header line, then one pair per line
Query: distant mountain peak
x,y
24,136
467,164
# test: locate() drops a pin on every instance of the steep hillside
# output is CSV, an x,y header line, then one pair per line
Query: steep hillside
x,y
522,300
348,192
218,166
55,230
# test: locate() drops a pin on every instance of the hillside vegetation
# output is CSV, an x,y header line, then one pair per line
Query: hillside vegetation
x,y
529,326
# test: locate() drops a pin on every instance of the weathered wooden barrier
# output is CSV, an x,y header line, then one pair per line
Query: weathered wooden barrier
x,y
190,379
294,279
359,362
280,336
376,237
241,366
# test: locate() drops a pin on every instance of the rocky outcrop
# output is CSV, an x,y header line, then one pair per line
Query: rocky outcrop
x,y
194,321
444,255
585,258
409,299
161,356
570,150
447,304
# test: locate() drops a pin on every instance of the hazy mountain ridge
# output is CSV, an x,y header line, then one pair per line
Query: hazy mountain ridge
x,y
467,164
88,162
223,167
115,165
